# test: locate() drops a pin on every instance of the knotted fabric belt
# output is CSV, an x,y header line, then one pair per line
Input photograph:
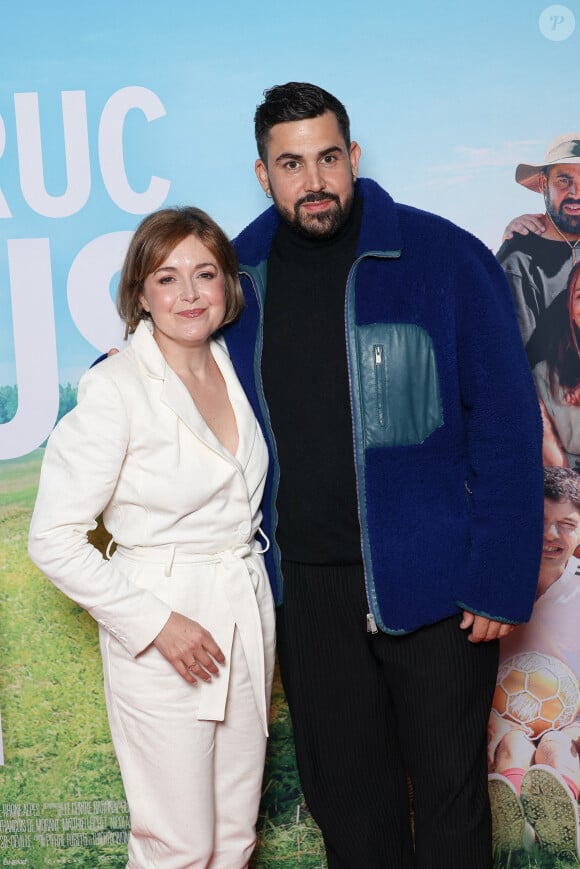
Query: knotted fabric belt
x,y
239,577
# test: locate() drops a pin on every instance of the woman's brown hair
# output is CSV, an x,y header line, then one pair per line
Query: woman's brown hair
x,y
154,239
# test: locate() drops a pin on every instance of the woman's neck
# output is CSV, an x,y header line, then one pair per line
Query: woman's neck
x,y
194,361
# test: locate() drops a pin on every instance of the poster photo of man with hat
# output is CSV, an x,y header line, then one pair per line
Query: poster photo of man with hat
x,y
539,256
540,249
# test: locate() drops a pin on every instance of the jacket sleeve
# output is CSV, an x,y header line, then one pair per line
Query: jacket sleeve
x,y
82,463
504,447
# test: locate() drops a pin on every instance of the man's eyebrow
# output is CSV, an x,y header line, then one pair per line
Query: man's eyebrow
x,y
287,155
331,150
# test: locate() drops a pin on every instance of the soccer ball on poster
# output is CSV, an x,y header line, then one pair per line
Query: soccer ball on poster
x,y
537,691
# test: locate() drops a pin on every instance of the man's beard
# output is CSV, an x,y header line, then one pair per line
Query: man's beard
x,y
322,225
569,223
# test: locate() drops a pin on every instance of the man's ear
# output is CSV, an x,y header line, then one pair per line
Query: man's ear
x,y
542,183
262,175
354,153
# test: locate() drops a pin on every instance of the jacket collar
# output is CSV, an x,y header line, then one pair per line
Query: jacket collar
x,y
174,394
147,351
380,229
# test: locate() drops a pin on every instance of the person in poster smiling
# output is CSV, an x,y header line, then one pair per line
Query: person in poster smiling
x,y
164,443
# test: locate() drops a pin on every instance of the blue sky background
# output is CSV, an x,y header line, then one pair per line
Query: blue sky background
x,y
443,101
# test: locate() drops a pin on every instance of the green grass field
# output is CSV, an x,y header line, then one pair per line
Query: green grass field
x,y
533,860
61,797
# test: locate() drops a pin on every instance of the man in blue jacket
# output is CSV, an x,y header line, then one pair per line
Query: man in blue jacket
x,y
380,351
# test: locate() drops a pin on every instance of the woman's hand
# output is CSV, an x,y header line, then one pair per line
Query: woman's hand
x,y
189,648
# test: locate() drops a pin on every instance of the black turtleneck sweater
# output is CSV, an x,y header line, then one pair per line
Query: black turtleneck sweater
x,y
304,368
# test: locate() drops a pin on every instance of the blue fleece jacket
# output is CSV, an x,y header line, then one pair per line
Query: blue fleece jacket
x,y
447,431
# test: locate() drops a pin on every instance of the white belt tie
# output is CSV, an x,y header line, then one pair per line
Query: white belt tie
x,y
240,581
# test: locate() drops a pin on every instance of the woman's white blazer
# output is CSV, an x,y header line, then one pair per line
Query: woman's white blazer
x,y
175,501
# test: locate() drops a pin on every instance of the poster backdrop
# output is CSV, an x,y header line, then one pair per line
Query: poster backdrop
x,y
111,110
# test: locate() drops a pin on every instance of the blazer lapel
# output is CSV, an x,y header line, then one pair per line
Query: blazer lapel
x,y
173,392
175,395
245,419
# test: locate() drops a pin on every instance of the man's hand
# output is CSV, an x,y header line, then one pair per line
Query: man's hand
x,y
189,648
483,630
525,224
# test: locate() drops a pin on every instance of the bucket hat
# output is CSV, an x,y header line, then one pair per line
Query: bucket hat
x,y
562,149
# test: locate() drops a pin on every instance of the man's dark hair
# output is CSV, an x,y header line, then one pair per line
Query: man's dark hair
x,y
296,101
562,484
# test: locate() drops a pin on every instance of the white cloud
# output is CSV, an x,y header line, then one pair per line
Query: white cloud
x,y
506,154
472,164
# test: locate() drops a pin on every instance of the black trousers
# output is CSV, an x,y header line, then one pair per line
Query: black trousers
x,y
370,712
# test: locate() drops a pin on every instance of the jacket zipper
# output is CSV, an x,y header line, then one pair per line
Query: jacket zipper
x,y
380,382
371,624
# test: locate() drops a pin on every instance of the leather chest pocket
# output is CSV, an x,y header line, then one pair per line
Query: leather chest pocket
x,y
397,372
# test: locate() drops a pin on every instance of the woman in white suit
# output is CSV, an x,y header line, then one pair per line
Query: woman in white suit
x,y
164,443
